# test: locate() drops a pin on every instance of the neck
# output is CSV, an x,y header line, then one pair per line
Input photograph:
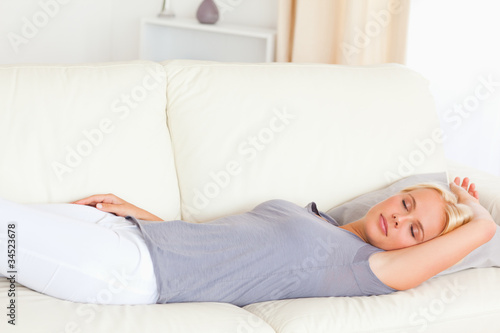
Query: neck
x,y
357,228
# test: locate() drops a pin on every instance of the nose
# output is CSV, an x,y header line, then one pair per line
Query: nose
x,y
395,220
400,220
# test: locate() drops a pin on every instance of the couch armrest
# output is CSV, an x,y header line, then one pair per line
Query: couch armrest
x,y
488,186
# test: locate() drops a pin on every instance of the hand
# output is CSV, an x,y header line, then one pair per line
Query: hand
x,y
112,204
464,192
468,195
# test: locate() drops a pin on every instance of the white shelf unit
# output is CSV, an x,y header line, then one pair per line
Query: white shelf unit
x,y
177,38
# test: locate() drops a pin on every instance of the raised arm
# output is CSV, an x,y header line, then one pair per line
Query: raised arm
x,y
408,267
112,204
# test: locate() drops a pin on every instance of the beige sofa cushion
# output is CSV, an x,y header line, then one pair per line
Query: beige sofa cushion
x,y
466,301
70,131
38,313
246,133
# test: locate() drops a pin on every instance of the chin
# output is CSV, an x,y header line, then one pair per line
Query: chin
x,y
374,242
383,244
383,247
392,247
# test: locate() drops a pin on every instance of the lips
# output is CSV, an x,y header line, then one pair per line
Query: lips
x,y
383,224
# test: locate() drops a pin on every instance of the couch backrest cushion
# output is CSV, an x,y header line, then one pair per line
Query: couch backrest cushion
x,y
74,130
246,133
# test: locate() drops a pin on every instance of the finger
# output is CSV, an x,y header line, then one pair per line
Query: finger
x,y
111,208
88,200
96,198
457,181
473,191
465,183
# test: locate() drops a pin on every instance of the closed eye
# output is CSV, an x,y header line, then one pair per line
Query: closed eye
x,y
412,233
404,205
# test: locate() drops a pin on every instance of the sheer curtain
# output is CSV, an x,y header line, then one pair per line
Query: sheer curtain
x,y
354,32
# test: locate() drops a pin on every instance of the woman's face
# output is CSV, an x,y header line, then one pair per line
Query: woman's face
x,y
405,219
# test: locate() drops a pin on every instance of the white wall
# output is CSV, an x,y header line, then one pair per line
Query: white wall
x,y
72,31
454,43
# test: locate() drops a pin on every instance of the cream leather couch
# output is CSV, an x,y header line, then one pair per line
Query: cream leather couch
x,y
197,140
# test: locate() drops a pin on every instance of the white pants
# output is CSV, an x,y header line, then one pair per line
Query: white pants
x,y
77,253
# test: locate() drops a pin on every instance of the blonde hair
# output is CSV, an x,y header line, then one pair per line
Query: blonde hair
x,y
457,214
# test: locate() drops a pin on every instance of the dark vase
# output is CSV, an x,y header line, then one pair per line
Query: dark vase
x,y
207,12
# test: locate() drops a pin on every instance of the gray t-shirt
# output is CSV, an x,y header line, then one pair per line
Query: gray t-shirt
x,y
278,250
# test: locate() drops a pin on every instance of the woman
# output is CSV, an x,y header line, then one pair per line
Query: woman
x,y
276,251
